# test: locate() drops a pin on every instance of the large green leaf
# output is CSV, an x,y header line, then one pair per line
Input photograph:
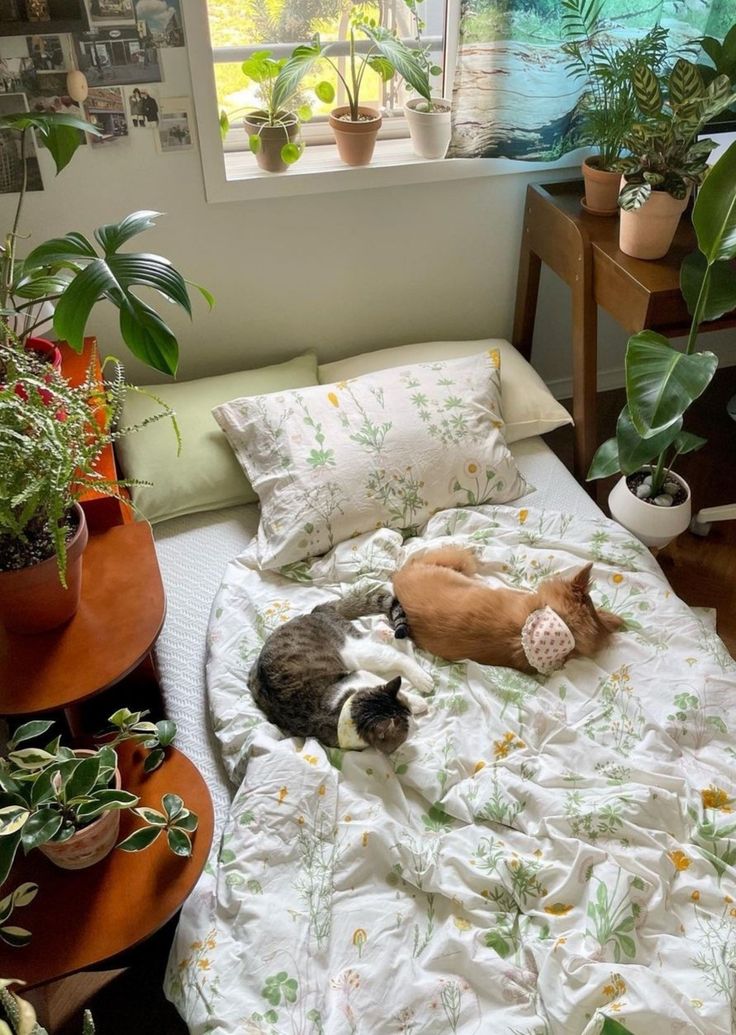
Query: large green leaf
x,y
714,212
633,450
8,849
12,819
40,828
612,1027
61,133
605,462
404,60
720,290
684,82
29,730
661,382
113,235
82,779
140,839
72,249
646,90
301,62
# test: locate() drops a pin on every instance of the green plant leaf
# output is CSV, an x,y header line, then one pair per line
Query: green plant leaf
x,y
140,839
288,80
382,66
714,212
188,822
720,291
24,894
29,730
40,828
634,195
12,819
404,60
72,249
612,1027
304,113
8,848
166,731
291,153
646,90
605,462
633,450
153,760
43,785
112,236
153,817
495,940
684,82
30,758
224,124
661,382
15,936
325,92
83,778
254,143
179,842
124,716
105,801
172,804
686,442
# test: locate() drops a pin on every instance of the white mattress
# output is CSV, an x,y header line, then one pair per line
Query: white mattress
x,y
193,552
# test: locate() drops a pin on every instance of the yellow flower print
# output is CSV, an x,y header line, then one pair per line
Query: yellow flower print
x,y
364,839
333,398
461,923
523,515
204,963
617,578
558,909
359,939
560,942
211,943
727,899
495,357
478,766
695,897
322,790
715,798
679,860
342,384
183,964
732,912
472,467
348,818
282,794
497,423
196,946
312,759
510,742
697,1003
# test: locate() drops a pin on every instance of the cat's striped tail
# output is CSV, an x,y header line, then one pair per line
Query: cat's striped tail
x,y
359,603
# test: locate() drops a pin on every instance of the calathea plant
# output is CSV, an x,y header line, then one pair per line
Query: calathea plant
x,y
70,275
664,151
661,381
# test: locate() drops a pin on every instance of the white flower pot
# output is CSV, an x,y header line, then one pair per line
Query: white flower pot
x,y
430,130
654,526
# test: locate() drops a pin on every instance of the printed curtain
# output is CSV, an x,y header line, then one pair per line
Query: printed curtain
x,y
513,97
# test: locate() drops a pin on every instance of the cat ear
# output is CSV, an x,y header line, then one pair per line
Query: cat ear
x,y
393,687
581,581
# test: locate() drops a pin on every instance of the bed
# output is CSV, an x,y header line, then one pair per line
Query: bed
x,y
542,853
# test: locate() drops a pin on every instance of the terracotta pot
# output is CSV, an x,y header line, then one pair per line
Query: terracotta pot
x,y
647,232
272,139
653,526
355,140
601,188
46,350
33,600
90,844
430,130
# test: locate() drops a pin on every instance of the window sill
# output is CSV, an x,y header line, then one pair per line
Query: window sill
x,y
320,171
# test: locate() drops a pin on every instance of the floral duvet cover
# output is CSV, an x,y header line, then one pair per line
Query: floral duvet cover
x,y
542,853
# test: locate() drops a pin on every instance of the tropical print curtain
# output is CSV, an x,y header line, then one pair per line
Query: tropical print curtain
x,y
513,97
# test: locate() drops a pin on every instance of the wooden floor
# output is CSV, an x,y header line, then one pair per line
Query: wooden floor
x,y
702,572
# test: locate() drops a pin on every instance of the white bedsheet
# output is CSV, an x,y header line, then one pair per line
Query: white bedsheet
x,y
540,854
193,552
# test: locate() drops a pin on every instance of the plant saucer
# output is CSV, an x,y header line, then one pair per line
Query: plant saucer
x,y
596,211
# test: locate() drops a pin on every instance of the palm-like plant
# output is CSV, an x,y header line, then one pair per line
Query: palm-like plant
x,y
71,275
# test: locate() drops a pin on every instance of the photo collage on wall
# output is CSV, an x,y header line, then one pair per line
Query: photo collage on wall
x,y
117,45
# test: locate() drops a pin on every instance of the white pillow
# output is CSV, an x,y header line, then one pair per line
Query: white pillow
x,y
388,449
529,408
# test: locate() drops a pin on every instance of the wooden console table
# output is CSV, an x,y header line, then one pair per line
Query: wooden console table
x,y
583,250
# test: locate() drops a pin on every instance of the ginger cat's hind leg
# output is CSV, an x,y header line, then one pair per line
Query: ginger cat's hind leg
x,y
458,558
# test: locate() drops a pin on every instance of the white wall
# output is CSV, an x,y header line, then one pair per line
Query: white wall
x,y
338,272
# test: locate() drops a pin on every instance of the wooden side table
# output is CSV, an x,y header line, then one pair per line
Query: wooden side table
x,y
82,918
583,250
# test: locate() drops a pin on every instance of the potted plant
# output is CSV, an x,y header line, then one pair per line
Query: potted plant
x,y
274,128
17,1016
666,159
51,437
608,107
66,277
429,118
355,125
662,382
67,802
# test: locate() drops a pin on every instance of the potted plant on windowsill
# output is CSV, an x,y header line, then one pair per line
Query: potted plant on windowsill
x,y
67,804
274,129
51,438
608,107
662,382
355,125
429,118
666,159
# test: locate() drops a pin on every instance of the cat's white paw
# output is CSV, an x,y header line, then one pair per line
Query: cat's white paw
x,y
416,704
422,682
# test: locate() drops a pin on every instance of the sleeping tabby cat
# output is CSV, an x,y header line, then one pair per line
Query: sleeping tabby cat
x,y
315,677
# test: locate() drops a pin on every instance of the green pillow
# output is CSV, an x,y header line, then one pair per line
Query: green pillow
x,y
206,475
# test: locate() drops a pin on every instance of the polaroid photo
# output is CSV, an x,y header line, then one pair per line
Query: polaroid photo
x,y
161,22
51,53
105,108
110,12
176,131
143,106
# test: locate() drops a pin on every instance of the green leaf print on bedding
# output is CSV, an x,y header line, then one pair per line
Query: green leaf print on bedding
x,y
614,918
280,986
437,819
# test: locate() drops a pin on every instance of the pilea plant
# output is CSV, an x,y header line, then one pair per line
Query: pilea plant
x,y
665,153
49,794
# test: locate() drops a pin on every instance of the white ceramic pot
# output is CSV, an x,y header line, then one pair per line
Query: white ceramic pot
x,y
654,526
430,130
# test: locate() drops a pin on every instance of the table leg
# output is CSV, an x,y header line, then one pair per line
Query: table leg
x,y
527,292
584,376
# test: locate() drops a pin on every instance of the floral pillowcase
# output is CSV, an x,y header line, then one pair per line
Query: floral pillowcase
x,y
387,449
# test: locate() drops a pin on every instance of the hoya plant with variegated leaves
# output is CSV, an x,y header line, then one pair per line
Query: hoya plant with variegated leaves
x,y
70,275
49,793
665,152
663,381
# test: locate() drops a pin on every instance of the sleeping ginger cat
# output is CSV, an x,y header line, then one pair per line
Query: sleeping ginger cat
x,y
457,617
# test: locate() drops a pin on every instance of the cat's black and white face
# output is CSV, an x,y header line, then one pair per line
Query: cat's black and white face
x,y
380,718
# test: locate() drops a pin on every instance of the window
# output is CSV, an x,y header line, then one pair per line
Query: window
x,y
224,33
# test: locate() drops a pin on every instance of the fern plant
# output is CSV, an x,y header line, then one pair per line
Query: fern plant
x,y
51,438
608,108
